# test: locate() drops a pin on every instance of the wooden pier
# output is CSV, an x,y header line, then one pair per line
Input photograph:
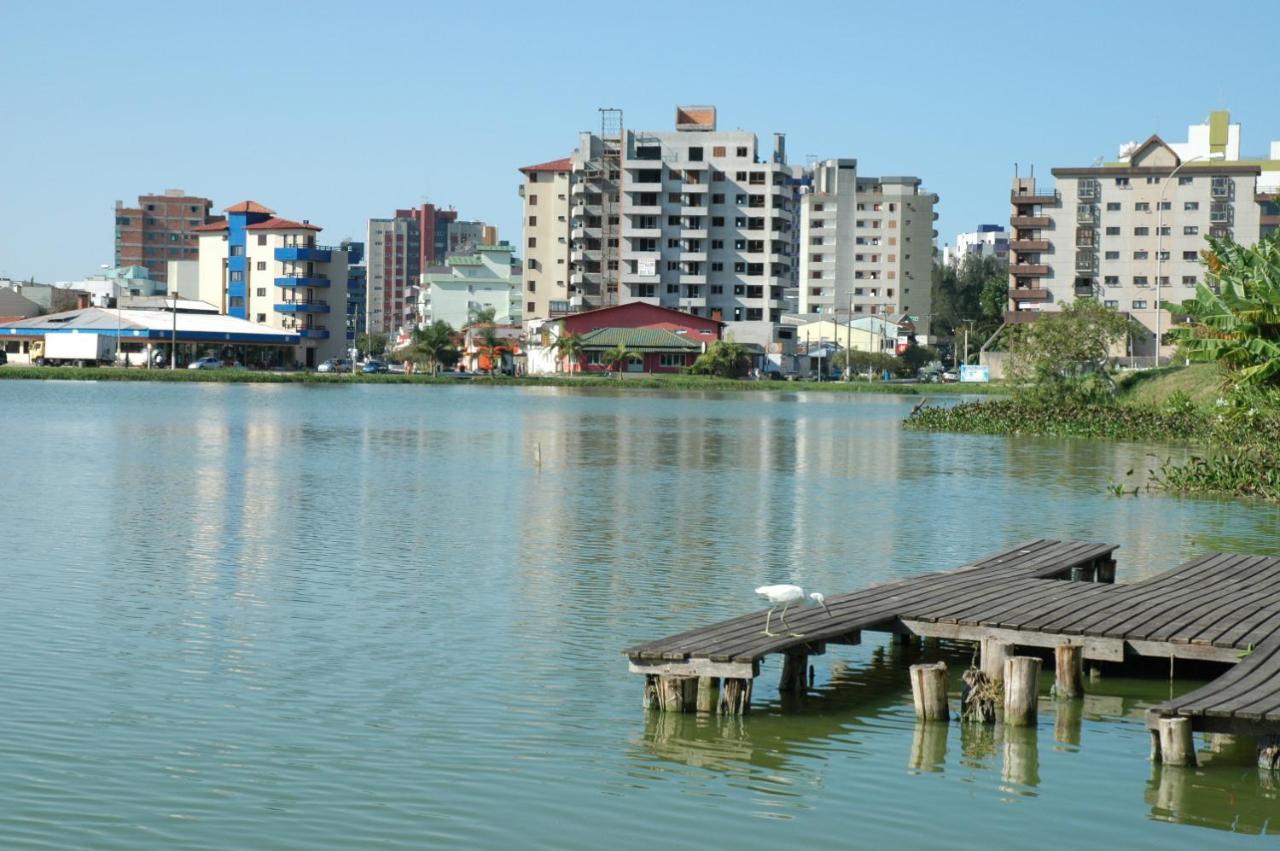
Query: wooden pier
x,y
1043,594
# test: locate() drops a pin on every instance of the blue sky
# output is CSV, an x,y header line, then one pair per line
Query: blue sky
x,y
336,112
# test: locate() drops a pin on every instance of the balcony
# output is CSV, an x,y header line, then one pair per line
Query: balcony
x,y
1035,196
693,301
313,333
1029,294
302,281
1030,245
298,305
1030,221
1028,270
295,253
1220,214
1021,317
692,279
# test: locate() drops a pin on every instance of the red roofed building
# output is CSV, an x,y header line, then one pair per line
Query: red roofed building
x,y
657,339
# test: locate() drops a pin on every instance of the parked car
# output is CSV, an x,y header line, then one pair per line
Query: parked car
x,y
374,367
209,362
335,365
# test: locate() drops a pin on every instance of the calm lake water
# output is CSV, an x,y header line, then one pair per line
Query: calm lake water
x,y
294,617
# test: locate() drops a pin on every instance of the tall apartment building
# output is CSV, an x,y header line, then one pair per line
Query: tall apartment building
x,y
866,245
161,228
257,266
1129,233
986,241
399,250
357,296
695,219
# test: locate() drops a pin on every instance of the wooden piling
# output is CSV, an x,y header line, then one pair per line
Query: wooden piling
x,y
929,692
794,668
1269,752
1069,681
677,693
708,693
650,699
1177,744
735,696
1021,690
994,653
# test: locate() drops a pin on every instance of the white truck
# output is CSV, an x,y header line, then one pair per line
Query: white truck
x,y
66,349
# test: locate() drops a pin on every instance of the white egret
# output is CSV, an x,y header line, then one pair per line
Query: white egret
x,y
786,596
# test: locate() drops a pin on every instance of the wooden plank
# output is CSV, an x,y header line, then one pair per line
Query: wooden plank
x,y
1180,650
1100,649
1242,595
696,668
1190,602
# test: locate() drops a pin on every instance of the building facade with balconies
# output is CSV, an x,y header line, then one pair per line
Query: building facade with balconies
x,y
486,279
694,219
271,271
160,229
399,250
1130,233
866,246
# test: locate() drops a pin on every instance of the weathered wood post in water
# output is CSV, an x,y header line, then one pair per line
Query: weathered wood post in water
x,y
795,667
677,693
708,693
735,696
1177,742
1021,690
929,692
1069,665
994,653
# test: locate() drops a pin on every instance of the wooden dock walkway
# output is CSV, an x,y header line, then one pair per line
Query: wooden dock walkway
x,y
1215,608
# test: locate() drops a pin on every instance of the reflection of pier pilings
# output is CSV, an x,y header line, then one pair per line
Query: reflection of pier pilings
x,y
929,746
1068,714
1021,756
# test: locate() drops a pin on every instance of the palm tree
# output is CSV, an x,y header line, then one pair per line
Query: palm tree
x,y
1235,317
433,344
569,346
491,346
482,315
618,357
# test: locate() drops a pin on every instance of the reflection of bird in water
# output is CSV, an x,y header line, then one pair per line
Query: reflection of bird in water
x,y
786,596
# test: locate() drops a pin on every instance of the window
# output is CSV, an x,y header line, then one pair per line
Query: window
x,y
742,151
1165,205
717,244
533,286
1139,304
533,200
1113,231
673,289
717,198
1111,303
237,277
1191,205
262,318
695,154
717,289
261,292
1190,255
717,221
1153,179
1142,206
1185,180
262,239
717,151
1111,255
235,301
262,266
1122,181
646,291
1141,231
1112,206
717,266
533,242
1140,255
1140,281
1111,280
739,199
670,360
1188,280
528,307
1190,230
237,251
533,221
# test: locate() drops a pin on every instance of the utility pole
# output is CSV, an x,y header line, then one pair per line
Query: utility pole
x,y
173,341
968,325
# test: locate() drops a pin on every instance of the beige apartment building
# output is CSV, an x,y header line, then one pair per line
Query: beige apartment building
x,y
867,246
1130,233
695,219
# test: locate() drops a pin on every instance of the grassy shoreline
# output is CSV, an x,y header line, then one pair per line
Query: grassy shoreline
x,y
646,382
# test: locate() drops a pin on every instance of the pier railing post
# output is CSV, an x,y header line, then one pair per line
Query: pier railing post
x,y
929,692
1021,690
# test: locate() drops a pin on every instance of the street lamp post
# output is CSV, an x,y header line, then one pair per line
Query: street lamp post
x,y
173,340
1214,155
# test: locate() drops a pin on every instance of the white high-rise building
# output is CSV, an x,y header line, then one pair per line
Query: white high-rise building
x,y
986,241
695,218
866,244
